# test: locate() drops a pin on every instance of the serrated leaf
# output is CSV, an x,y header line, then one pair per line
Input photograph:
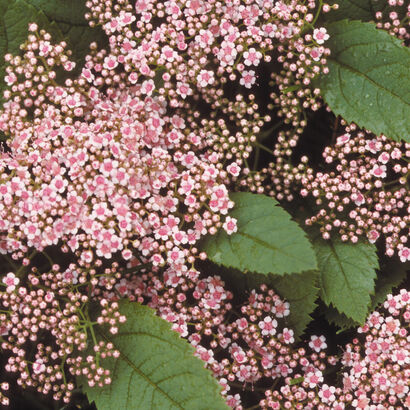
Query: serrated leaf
x,y
62,11
392,274
369,78
340,320
267,240
347,272
156,368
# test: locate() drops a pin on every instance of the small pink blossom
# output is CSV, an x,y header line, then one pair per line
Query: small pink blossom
x,y
343,139
39,366
252,57
205,77
268,326
379,171
233,169
373,235
404,254
230,226
327,393
248,78
317,343
320,35
11,281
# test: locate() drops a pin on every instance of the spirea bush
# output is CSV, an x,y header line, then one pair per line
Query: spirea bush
x,y
204,204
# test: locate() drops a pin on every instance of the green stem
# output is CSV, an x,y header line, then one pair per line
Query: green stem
x,y
261,146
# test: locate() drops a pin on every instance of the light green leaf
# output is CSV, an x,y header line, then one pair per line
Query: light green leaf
x,y
156,368
347,272
267,240
369,78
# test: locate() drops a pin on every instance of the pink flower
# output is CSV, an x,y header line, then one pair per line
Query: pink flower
x,y
39,366
148,87
343,139
248,78
326,393
314,378
404,254
281,308
230,225
233,401
373,146
11,281
316,53
373,235
317,343
320,35
252,57
288,336
379,171
362,402
383,158
10,79
268,326
110,62
233,169
205,77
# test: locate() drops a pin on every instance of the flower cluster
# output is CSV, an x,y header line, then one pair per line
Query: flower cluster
x,y
394,19
46,328
103,173
255,348
364,191
376,365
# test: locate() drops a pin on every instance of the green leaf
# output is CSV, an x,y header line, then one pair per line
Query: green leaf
x,y
392,274
344,323
63,11
156,368
347,272
267,240
369,78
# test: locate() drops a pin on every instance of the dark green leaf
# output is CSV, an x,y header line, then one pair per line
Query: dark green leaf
x,y
369,78
347,272
332,315
267,240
